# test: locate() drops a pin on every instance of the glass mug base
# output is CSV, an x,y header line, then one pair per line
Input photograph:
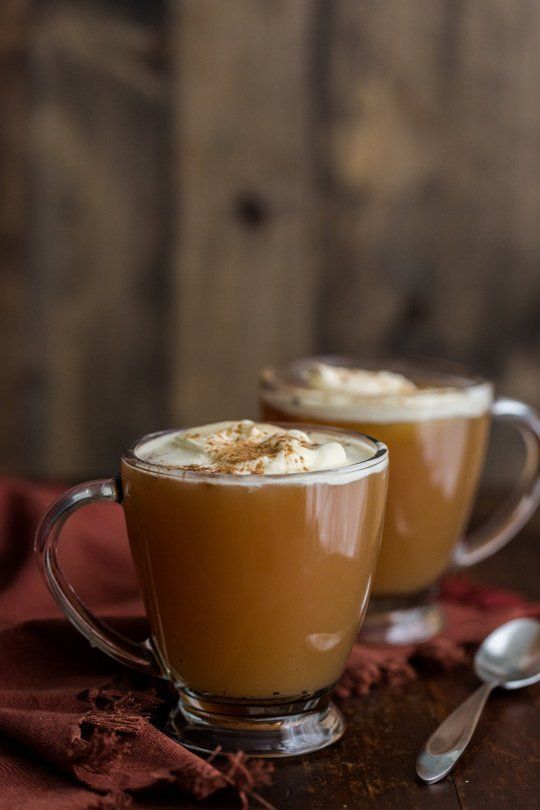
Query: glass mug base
x,y
402,620
258,728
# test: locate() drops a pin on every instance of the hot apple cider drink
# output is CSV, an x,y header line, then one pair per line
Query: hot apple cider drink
x,y
255,547
436,428
255,586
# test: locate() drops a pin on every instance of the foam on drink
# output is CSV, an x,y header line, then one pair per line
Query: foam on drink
x,y
245,448
323,391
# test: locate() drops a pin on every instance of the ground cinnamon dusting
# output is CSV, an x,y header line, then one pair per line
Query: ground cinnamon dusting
x,y
245,450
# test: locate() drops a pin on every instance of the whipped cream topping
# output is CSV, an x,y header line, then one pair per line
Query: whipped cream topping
x,y
356,380
248,448
328,392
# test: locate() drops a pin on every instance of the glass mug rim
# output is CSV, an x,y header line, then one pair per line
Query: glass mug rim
x,y
378,459
442,392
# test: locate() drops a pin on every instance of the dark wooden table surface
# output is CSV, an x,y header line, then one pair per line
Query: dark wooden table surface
x,y
373,764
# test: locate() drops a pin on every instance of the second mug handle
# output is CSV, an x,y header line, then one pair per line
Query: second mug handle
x,y
522,504
139,656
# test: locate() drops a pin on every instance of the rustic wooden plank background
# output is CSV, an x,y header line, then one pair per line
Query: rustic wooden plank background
x,y
192,189
245,261
15,357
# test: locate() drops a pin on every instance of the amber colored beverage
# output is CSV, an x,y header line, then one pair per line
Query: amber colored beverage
x,y
435,465
254,591
255,547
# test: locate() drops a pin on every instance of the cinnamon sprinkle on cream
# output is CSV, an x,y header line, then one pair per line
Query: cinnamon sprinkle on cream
x,y
248,448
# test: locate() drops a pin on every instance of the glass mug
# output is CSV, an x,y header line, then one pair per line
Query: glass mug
x,y
437,441
254,587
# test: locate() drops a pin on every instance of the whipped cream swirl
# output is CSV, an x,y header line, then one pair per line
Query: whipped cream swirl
x,y
247,448
344,394
356,380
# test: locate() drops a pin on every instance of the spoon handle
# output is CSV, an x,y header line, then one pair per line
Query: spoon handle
x,y
450,739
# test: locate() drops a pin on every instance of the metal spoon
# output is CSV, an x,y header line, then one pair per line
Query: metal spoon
x,y
509,657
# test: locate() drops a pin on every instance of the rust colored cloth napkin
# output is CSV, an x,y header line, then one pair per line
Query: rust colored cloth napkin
x,y
78,730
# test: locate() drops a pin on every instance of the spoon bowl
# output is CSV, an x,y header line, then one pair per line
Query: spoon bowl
x,y
510,655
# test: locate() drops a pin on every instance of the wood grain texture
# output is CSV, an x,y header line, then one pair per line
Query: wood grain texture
x,y
15,359
100,233
245,265
430,145
215,186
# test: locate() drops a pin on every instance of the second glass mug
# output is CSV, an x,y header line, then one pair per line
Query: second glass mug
x,y
436,458
254,586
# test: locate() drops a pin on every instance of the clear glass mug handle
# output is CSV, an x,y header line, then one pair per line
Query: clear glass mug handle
x,y
139,656
514,513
